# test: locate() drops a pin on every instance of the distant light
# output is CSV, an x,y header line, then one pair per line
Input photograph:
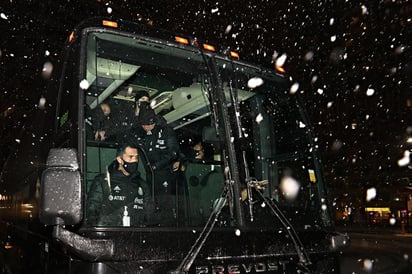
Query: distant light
x,y
409,140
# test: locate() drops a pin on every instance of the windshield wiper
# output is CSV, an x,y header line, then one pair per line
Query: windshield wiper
x,y
200,241
304,260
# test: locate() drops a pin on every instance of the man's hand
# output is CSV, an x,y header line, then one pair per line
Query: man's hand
x,y
176,166
100,134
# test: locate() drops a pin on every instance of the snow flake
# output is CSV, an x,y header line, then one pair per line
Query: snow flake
x,y
254,82
42,102
259,118
47,70
314,79
370,194
290,187
370,92
367,265
281,60
228,29
309,56
84,84
364,9
405,159
294,88
3,16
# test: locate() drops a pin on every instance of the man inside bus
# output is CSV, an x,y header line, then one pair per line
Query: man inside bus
x,y
162,149
108,120
100,120
118,197
142,103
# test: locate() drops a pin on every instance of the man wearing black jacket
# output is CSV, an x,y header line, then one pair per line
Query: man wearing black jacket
x,y
162,149
118,198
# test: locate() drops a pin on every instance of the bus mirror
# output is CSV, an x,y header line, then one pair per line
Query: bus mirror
x,y
61,189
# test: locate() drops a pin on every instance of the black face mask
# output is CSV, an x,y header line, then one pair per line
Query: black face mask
x,y
143,105
130,167
192,154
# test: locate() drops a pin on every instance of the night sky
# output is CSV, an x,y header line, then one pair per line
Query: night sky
x,y
352,62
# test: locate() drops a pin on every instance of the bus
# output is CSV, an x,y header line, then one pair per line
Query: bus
x,y
256,204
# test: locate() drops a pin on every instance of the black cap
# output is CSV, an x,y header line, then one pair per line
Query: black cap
x,y
140,94
147,117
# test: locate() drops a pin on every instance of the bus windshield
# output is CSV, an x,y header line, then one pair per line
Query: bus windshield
x,y
275,147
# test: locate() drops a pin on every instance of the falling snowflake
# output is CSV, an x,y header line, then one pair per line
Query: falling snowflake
x,y
255,82
294,88
259,118
370,194
370,92
405,159
290,187
84,84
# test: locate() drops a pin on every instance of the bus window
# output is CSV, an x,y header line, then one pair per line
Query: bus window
x,y
276,141
177,82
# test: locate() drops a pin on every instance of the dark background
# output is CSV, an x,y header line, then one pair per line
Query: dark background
x,y
351,59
